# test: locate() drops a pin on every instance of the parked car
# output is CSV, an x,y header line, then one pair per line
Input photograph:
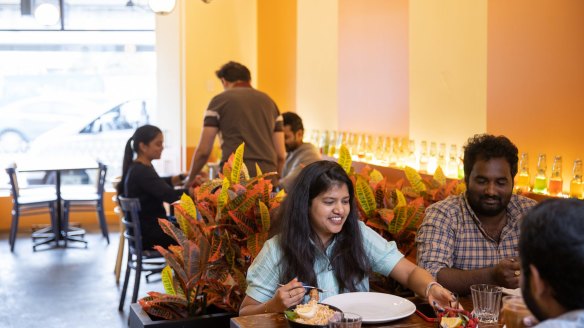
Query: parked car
x,y
23,121
102,137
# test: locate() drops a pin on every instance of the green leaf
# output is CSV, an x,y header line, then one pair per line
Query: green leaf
x,y
291,315
167,280
258,170
237,162
415,179
365,196
345,159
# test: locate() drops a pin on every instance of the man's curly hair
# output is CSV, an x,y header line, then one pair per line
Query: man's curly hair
x,y
487,146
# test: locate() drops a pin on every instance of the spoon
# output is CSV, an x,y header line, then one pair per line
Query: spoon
x,y
310,287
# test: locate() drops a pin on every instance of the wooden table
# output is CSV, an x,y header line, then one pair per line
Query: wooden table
x,y
277,320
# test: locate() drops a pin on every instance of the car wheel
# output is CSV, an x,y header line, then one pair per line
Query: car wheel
x,y
13,141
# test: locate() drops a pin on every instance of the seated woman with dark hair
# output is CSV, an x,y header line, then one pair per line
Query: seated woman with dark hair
x,y
322,243
140,180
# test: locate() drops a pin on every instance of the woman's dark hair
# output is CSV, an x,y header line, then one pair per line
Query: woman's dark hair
x,y
484,147
348,260
144,134
552,240
233,71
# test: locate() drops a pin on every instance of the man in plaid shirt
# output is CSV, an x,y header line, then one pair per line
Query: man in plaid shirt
x,y
472,238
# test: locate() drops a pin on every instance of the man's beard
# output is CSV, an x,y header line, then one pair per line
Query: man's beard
x,y
529,299
480,210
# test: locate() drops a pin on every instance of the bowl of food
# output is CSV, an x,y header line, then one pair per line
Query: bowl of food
x,y
455,318
312,314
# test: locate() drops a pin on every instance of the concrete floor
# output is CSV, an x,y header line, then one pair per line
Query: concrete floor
x,y
63,287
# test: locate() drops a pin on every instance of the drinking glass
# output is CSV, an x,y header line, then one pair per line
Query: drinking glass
x,y
515,312
345,320
486,301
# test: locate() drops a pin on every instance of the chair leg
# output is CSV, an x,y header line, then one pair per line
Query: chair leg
x,y
120,257
125,286
137,280
102,222
13,229
65,225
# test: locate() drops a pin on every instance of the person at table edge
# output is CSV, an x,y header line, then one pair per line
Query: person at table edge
x,y
551,248
472,238
323,243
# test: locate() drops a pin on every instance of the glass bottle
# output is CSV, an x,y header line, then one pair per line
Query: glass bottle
x,y
522,180
332,143
442,156
324,142
541,180
576,185
556,182
424,157
453,162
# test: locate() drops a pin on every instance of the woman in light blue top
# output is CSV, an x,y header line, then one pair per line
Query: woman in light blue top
x,y
322,243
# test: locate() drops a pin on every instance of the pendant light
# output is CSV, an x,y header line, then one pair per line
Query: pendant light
x,y
162,7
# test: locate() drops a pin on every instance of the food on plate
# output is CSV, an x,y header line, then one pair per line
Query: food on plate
x,y
453,318
311,313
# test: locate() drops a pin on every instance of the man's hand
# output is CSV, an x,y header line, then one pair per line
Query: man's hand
x,y
506,273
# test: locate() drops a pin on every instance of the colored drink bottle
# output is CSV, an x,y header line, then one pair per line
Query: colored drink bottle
x,y
541,181
576,185
556,182
522,180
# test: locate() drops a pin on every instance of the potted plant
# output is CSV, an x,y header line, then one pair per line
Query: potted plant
x,y
219,234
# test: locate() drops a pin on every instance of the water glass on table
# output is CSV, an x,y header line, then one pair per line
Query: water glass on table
x,y
515,312
345,320
486,301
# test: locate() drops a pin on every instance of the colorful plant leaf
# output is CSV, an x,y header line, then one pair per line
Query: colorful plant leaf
x,y
415,179
255,243
167,280
440,176
236,165
258,170
401,199
265,217
345,159
171,230
365,196
223,196
375,177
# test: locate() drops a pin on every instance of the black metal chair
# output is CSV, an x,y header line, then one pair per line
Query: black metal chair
x,y
140,260
85,200
38,201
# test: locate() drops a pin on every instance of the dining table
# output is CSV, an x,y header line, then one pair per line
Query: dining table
x,y
58,167
277,320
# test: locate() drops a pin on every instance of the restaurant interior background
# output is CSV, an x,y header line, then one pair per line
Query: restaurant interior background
x,y
425,70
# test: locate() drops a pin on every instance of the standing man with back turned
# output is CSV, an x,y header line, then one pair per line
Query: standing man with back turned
x,y
472,238
241,114
300,153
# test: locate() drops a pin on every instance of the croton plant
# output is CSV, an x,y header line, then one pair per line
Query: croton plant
x,y
219,234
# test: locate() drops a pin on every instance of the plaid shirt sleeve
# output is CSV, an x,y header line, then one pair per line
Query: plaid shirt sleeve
x,y
436,237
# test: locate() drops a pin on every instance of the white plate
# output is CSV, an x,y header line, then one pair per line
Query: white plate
x,y
373,307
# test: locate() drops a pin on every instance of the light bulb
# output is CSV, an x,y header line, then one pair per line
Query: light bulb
x,y
162,7
47,14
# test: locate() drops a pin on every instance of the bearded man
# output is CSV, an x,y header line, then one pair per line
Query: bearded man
x,y
472,238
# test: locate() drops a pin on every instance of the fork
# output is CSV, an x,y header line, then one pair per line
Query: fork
x,y
310,287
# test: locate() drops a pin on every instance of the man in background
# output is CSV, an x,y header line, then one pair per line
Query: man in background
x,y
472,238
551,248
300,153
241,114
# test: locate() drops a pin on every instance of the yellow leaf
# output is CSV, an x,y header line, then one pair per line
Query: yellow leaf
x,y
415,179
439,176
186,202
345,159
258,170
167,280
401,199
375,176
223,195
237,162
365,195
280,195
265,215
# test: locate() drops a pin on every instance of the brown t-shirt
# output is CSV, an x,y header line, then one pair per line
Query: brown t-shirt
x,y
244,114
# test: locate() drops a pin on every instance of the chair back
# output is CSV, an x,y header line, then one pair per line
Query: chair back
x,y
131,220
14,189
101,174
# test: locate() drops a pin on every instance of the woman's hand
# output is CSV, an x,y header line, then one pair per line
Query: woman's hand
x,y
441,297
288,295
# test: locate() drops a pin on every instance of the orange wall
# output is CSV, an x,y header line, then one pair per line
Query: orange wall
x,y
277,51
535,89
373,77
